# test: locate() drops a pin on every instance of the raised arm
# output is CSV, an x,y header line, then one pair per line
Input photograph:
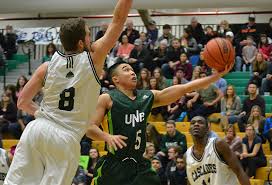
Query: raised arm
x,y
173,93
101,47
33,86
231,160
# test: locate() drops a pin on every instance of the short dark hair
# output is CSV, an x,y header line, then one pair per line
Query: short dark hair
x,y
252,82
112,68
171,122
72,31
201,118
166,26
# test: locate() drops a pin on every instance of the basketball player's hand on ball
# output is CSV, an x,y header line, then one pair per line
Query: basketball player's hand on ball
x,y
228,67
116,141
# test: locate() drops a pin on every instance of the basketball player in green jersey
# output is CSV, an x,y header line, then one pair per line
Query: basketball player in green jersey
x,y
127,111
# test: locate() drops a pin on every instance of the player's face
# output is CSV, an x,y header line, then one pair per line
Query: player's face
x,y
126,76
156,164
198,127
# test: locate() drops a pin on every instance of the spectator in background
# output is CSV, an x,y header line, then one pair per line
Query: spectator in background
x,y
166,34
268,131
174,110
173,57
153,136
152,32
173,153
100,33
221,83
267,81
230,107
143,81
253,156
189,43
124,49
106,85
210,97
130,32
235,142
180,75
94,157
264,47
144,40
172,138
10,42
257,120
223,28
80,177
159,54
149,151
248,103
201,63
8,113
154,85
185,64
22,80
177,175
259,69
248,29
268,29
50,50
210,34
230,37
2,57
140,57
157,166
10,90
161,81
196,73
249,53
197,31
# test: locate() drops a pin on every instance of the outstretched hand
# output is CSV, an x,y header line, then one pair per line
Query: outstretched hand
x,y
116,141
228,67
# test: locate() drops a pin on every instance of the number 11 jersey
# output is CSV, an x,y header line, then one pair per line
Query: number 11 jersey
x,y
71,89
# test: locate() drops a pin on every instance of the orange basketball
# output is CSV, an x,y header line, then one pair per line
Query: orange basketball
x,y
218,53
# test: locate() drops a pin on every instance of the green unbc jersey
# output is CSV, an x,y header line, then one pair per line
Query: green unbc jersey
x,y
128,118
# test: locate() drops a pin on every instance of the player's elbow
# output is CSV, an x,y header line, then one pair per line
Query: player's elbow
x,y
21,103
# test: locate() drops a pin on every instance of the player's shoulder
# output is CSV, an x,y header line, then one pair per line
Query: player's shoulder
x,y
220,145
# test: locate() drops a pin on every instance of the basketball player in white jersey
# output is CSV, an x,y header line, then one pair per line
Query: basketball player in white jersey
x,y
210,161
49,149
5,160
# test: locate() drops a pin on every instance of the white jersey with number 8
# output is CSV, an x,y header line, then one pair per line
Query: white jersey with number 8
x,y
71,91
